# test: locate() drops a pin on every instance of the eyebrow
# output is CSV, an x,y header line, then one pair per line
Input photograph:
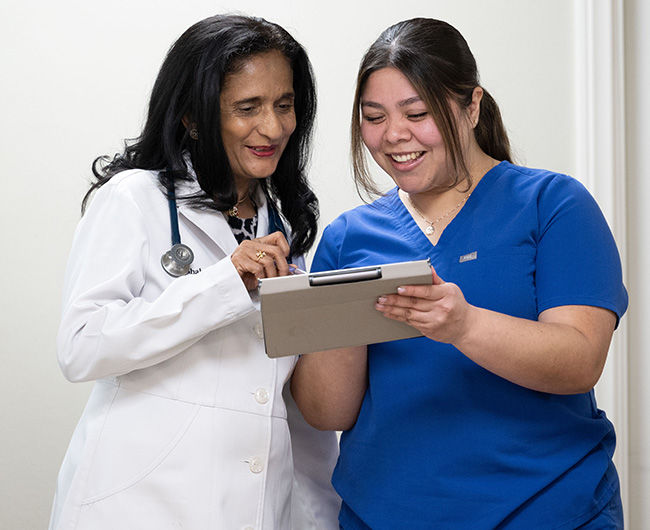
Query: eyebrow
x,y
403,103
257,99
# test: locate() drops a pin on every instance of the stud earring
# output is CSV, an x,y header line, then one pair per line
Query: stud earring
x,y
194,134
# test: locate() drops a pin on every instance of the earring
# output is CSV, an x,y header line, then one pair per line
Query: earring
x,y
194,134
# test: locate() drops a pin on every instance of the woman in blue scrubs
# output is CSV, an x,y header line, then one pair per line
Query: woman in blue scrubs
x,y
489,419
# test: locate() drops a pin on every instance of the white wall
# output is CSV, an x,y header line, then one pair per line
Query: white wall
x,y
76,77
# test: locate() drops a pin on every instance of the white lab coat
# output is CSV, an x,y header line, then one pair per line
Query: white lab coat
x,y
186,426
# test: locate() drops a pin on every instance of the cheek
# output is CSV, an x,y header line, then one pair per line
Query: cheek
x,y
290,125
232,131
428,133
371,136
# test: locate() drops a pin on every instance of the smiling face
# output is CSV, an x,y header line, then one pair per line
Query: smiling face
x,y
401,135
257,115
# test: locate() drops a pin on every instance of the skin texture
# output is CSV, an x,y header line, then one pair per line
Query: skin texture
x,y
257,116
257,119
397,126
564,352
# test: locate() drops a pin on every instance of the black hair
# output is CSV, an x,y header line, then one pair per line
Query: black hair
x,y
437,61
189,84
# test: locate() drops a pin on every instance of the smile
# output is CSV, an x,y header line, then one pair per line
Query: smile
x,y
263,150
407,157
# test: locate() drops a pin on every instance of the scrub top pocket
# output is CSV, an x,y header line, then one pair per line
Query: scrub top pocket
x,y
500,279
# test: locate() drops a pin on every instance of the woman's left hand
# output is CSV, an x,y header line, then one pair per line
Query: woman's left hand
x,y
262,257
439,311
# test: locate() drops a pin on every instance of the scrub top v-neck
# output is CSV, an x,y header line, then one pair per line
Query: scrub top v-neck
x,y
407,220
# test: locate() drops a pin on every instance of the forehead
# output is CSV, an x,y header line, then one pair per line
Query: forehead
x,y
268,73
388,84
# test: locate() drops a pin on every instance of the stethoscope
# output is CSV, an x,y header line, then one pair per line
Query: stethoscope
x,y
179,258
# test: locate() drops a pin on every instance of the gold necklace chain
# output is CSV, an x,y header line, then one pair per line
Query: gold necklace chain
x,y
430,230
234,211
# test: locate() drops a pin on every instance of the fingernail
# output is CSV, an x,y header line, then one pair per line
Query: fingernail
x,y
382,300
401,290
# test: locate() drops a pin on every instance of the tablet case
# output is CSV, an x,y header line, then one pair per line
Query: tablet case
x,y
335,309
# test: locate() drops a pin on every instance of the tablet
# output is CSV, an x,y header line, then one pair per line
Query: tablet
x,y
304,313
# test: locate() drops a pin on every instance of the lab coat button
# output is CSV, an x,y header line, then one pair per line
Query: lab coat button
x,y
259,331
256,465
261,395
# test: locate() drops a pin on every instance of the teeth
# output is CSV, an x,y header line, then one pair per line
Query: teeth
x,y
406,158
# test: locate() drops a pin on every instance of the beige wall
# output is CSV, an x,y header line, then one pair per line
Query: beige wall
x,y
637,81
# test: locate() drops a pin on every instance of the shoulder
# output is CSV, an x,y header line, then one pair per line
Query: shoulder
x,y
541,190
134,185
366,214
364,227
537,180
135,182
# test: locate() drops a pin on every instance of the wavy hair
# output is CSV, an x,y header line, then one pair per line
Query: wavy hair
x,y
189,84
437,61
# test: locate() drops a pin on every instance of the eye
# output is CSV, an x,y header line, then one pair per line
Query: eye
x,y
373,119
417,115
246,110
285,107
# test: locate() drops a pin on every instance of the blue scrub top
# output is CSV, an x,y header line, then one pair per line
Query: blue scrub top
x,y
441,442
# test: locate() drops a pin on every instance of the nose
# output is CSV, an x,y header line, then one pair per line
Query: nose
x,y
270,125
397,130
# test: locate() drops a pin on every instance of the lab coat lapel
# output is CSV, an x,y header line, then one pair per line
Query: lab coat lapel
x,y
262,213
213,223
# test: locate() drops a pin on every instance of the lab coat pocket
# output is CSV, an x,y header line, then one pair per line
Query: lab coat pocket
x,y
139,434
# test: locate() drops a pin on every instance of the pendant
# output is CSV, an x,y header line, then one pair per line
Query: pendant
x,y
429,230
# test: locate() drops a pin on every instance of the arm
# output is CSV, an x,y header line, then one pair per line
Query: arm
x,y
577,289
314,503
564,352
121,311
329,387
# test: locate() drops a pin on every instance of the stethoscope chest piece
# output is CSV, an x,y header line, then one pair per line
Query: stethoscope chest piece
x,y
177,261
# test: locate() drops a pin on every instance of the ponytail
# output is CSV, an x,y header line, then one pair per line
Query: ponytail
x,y
490,132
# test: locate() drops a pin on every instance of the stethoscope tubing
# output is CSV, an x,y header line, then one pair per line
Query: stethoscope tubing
x,y
173,215
179,258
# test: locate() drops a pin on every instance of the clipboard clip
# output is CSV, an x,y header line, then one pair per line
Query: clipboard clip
x,y
344,276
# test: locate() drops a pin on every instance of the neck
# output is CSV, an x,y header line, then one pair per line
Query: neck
x,y
443,204
243,193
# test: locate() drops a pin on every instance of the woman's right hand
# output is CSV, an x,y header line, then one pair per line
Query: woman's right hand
x,y
438,311
262,257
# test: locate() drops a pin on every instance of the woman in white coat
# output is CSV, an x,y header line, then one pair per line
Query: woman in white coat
x,y
187,426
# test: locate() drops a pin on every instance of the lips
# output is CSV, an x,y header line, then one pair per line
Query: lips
x,y
262,151
403,158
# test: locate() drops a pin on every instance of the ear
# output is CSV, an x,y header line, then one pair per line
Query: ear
x,y
190,127
474,108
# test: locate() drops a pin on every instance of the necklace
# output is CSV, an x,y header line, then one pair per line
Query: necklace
x,y
430,229
234,211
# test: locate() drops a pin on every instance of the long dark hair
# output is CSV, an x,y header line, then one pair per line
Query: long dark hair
x,y
189,84
437,61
